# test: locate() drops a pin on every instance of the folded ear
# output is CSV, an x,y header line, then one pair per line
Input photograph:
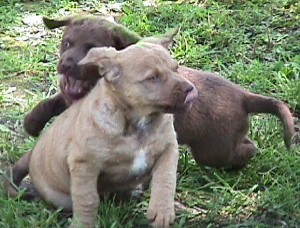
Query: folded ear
x,y
52,23
166,39
105,59
123,37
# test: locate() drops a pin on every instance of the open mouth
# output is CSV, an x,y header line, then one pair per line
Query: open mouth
x,y
191,97
74,89
187,104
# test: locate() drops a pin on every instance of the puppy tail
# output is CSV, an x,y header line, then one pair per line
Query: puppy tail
x,y
261,104
14,176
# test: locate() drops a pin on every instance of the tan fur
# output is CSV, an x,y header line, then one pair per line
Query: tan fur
x,y
116,136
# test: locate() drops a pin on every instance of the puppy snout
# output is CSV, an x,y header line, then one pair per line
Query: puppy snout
x,y
66,65
191,93
188,88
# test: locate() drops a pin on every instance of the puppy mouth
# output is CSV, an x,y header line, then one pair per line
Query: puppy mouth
x,y
73,88
186,103
191,96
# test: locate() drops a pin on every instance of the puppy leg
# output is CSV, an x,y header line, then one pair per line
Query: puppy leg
x,y
58,199
84,194
245,150
14,177
161,209
36,120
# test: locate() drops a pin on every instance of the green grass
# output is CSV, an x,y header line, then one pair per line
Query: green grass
x,y
252,43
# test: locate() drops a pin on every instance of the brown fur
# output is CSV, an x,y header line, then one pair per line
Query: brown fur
x,y
116,136
14,177
216,126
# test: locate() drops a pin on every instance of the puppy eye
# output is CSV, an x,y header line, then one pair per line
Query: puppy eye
x,y
67,44
153,78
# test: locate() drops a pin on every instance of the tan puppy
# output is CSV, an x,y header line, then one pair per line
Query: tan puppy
x,y
116,136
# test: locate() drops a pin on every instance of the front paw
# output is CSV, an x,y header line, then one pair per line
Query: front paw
x,y
32,126
161,215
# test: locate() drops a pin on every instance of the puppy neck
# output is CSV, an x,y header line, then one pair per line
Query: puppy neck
x,y
141,125
112,93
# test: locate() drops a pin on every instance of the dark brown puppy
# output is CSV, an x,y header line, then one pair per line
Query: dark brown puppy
x,y
80,35
216,126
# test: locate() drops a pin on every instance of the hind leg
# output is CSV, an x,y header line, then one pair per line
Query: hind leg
x,y
244,151
51,194
14,180
60,199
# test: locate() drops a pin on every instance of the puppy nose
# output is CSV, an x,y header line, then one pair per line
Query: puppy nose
x,y
67,65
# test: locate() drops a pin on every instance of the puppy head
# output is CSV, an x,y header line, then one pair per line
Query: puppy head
x,y
143,77
82,33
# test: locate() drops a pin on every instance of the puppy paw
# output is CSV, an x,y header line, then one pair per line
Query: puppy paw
x,y
161,216
32,126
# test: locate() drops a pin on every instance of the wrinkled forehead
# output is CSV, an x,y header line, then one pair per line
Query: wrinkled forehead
x,y
149,55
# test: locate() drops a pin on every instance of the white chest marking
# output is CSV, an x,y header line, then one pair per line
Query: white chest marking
x,y
139,163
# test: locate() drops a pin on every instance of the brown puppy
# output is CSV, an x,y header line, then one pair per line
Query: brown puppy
x,y
216,126
116,136
221,117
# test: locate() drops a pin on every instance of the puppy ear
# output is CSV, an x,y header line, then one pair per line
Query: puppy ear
x,y
105,59
166,40
52,23
123,37
109,69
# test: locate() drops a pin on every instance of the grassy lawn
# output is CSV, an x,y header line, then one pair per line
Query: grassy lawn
x,y
252,43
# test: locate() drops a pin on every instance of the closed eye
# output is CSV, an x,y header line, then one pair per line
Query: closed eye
x,y
153,78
